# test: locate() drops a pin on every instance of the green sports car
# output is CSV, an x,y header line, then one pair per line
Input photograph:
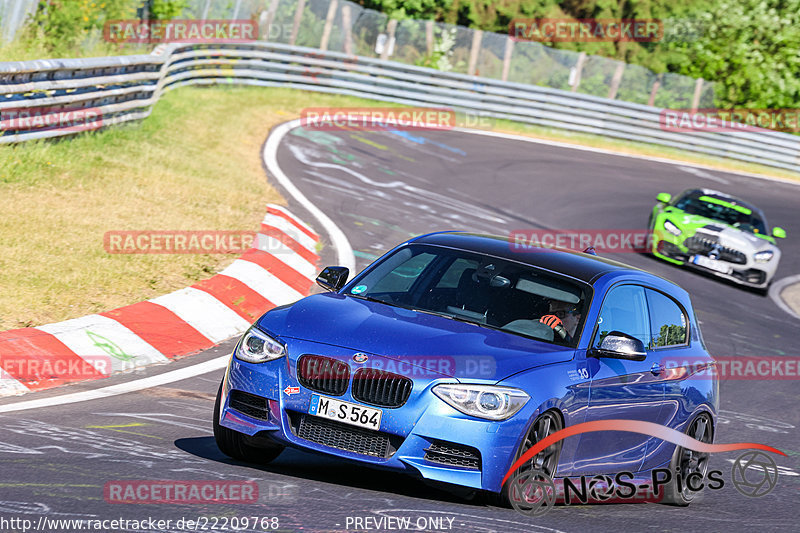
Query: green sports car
x,y
717,233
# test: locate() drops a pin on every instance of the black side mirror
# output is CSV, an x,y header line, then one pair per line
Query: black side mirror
x,y
618,345
333,278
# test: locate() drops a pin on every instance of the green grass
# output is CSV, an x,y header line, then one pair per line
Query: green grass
x,y
181,169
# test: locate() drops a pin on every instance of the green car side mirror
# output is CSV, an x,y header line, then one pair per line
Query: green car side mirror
x,y
779,232
664,197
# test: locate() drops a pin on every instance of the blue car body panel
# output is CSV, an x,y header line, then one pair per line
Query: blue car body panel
x,y
431,350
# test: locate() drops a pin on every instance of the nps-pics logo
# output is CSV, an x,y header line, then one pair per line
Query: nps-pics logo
x,y
533,492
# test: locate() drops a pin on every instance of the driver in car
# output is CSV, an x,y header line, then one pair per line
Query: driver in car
x,y
564,318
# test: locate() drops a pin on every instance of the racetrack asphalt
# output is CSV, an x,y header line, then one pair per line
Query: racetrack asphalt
x,y
381,188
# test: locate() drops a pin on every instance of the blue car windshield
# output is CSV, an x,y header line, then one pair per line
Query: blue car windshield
x,y
483,290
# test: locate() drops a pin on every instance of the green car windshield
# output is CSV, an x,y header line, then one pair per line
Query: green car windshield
x,y
734,215
486,291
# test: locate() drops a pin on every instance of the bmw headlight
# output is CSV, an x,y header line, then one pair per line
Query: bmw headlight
x,y
763,257
258,347
672,228
483,401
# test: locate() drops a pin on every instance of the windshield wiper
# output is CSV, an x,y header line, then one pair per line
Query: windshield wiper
x,y
456,317
373,299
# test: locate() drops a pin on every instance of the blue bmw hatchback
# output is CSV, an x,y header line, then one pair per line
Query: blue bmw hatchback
x,y
454,353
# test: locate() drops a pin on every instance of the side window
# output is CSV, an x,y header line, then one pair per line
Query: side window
x,y
624,309
404,275
667,321
452,275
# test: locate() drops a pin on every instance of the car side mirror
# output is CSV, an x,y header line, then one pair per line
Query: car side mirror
x,y
333,278
664,197
779,232
618,345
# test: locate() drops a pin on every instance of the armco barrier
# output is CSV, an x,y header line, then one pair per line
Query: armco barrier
x,y
126,88
279,269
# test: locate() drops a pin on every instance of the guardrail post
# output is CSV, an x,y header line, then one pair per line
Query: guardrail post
x,y
236,10
273,8
326,31
390,29
429,36
653,91
616,80
298,17
578,68
477,36
348,30
698,89
507,58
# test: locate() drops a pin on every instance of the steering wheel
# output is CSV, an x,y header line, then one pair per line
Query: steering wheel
x,y
555,323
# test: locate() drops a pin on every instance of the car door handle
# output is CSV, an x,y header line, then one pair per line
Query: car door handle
x,y
656,369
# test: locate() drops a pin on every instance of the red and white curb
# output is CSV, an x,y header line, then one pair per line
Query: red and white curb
x,y
279,269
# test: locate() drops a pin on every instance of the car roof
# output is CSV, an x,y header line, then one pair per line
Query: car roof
x,y
582,266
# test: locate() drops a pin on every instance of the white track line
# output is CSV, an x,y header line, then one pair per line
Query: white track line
x,y
122,388
344,252
776,289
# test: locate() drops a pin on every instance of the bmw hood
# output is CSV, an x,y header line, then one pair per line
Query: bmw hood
x,y
447,347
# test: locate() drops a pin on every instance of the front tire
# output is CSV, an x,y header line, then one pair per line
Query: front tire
x,y
234,445
545,461
685,462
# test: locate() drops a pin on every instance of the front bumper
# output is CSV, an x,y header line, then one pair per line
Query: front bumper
x,y
424,437
750,274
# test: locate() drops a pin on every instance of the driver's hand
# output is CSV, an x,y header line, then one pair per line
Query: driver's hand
x,y
554,322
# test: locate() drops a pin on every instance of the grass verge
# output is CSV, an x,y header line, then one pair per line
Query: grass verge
x,y
194,164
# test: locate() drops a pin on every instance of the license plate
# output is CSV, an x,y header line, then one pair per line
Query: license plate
x,y
711,264
346,412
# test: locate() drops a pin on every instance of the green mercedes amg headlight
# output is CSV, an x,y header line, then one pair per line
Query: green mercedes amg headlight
x,y
672,228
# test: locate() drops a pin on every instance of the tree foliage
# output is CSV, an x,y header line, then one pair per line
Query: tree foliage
x,y
751,48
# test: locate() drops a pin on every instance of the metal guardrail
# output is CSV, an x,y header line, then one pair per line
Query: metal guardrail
x,y
125,88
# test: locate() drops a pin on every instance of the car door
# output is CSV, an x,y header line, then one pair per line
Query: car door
x,y
620,388
669,341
